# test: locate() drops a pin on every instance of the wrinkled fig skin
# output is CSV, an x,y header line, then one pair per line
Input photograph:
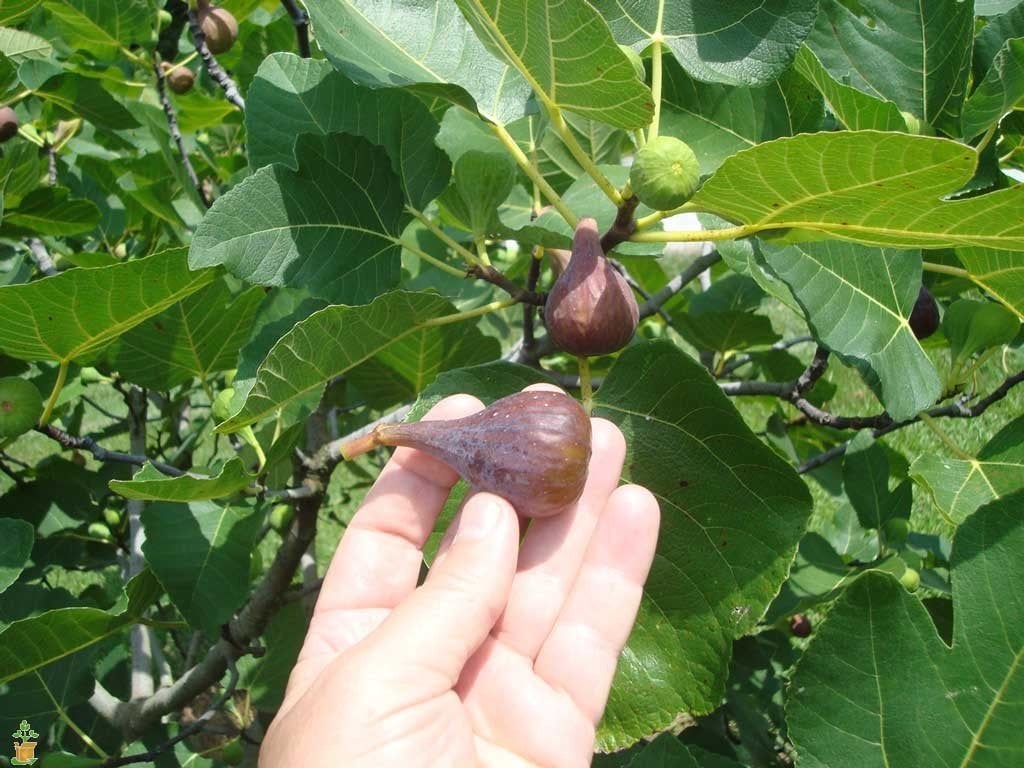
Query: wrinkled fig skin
x,y
591,309
181,79
531,448
219,27
924,319
8,124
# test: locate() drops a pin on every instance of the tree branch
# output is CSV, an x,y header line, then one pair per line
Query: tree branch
x,y
498,278
955,410
41,256
529,311
680,281
623,227
213,68
301,21
632,283
167,45
100,453
176,137
142,652
329,455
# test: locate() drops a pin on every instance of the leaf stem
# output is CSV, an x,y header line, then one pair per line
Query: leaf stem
x,y
443,236
648,221
699,236
944,438
943,269
586,390
586,163
71,723
986,138
652,131
481,252
58,385
424,256
468,314
533,174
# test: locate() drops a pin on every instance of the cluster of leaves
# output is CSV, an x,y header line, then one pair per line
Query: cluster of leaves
x,y
202,291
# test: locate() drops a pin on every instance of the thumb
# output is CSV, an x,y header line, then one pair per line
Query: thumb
x,y
444,621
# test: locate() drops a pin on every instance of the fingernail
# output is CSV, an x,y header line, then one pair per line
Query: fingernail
x,y
479,518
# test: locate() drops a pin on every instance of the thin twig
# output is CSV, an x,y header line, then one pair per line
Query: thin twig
x,y
529,311
740,360
42,256
176,137
498,278
96,406
330,454
51,164
680,281
102,454
635,285
956,410
301,21
213,68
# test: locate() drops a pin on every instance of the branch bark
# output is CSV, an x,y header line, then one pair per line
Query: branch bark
x,y
213,68
42,256
301,21
680,281
100,453
142,652
176,137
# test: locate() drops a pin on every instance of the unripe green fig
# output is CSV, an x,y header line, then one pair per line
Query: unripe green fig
x,y
911,580
924,318
896,531
636,61
665,173
219,27
232,753
21,405
591,309
532,448
112,518
8,124
281,517
164,18
99,531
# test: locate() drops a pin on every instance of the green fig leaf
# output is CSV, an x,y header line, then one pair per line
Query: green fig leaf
x,y
149,484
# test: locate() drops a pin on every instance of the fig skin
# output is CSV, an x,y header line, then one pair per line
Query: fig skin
x,y
531,448
8,124
665,173
924,319
180,79
219,26
591,309
800,625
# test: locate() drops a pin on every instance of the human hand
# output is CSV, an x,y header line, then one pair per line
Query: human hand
x,y
505,655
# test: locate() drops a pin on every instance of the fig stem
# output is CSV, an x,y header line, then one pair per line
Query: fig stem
x,y
533,174
58,385
652,131
586,390
424,256
944,269
359,446
700,235
481,252
443,236
456,317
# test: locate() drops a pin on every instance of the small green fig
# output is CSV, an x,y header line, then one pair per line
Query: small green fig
x,y
281,517
99,531
164,18
219,27
591,309
112,518
8,124
911,580
665,173
532,448
232,753
21,405
896,531
924,318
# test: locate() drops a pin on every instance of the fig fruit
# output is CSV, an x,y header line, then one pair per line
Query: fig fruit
x,y
21,405
591,309
896,531
219,27
531,448
924,318
911,580
800,625
8,124
665,173
179,79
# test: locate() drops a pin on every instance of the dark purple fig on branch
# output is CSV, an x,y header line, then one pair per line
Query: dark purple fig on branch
x,y
924,318
591,309
800,625
219,27
8,124
531,448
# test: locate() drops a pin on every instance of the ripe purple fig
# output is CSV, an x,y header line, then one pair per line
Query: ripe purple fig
x,y
924,318
8,124
218,25
531,448
800,625
591,309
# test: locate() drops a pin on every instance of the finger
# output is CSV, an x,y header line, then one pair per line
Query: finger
x,y
554,547
580,654
378,560
443,622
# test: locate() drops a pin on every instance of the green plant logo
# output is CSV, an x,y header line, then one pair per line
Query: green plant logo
x,y
25,746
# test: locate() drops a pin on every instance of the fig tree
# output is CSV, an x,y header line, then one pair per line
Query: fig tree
x,y
8,124
665,173
591,309
532,448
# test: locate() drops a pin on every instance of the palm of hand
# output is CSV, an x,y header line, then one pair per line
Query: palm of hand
x,y
505,655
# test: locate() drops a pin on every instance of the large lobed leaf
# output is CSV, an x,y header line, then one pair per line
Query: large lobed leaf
x,y
733,513
149,484
878,687
333,226
1001,273
868,186
64,317
291,96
